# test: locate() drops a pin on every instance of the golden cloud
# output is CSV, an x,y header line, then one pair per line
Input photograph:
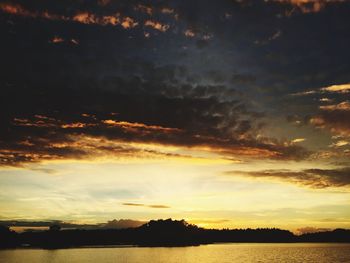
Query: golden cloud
x,y
343,106
90,138
134,126
297,140
342,88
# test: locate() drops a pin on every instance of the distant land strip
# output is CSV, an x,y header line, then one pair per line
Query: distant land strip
x,y
158,233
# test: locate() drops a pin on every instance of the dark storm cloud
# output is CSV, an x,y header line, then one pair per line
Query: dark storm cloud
x,y
313,178
184,73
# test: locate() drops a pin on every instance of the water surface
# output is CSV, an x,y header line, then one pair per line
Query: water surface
x,y
234,252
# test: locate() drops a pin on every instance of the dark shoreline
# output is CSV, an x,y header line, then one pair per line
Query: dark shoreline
x,y
160,233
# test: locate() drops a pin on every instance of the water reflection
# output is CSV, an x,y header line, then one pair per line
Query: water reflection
x,y
205,254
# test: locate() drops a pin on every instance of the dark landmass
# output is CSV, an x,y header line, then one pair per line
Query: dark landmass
x,y
158,233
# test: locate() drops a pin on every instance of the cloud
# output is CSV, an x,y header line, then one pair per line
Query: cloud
x,y
157,25
313,178
335,117
132,204
83,17
205,92
343,106
309,6
167,10
158,206
16,9
297,140
341,88
340,143
139,126
56,39
325,100
145,9
144,205
140,111
189,33
304,93
307,230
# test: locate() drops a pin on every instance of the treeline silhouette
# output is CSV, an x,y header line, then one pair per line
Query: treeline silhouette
x,y
158,233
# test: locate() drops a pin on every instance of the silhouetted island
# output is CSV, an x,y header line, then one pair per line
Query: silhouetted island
x,y
158,233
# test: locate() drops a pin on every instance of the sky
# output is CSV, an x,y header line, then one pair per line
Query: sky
x,y
229,114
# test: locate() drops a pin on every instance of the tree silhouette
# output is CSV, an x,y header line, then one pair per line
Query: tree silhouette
x,y
158,233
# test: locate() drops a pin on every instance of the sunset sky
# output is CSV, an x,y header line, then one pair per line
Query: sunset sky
x,y
225,113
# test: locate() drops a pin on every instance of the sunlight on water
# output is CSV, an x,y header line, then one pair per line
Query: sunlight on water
x,y
205,254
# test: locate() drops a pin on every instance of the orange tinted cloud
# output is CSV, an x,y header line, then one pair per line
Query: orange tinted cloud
x,y
157,25
84,138
16,10
56,39
309,6
132,126
83,17
117,19
128,22
33,123
74,125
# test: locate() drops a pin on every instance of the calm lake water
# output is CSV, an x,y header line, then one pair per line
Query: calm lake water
x,y
218,253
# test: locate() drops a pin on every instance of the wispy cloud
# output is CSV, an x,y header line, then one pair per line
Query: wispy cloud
x,y
341,88
313,178
145,205
84,17
297,140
